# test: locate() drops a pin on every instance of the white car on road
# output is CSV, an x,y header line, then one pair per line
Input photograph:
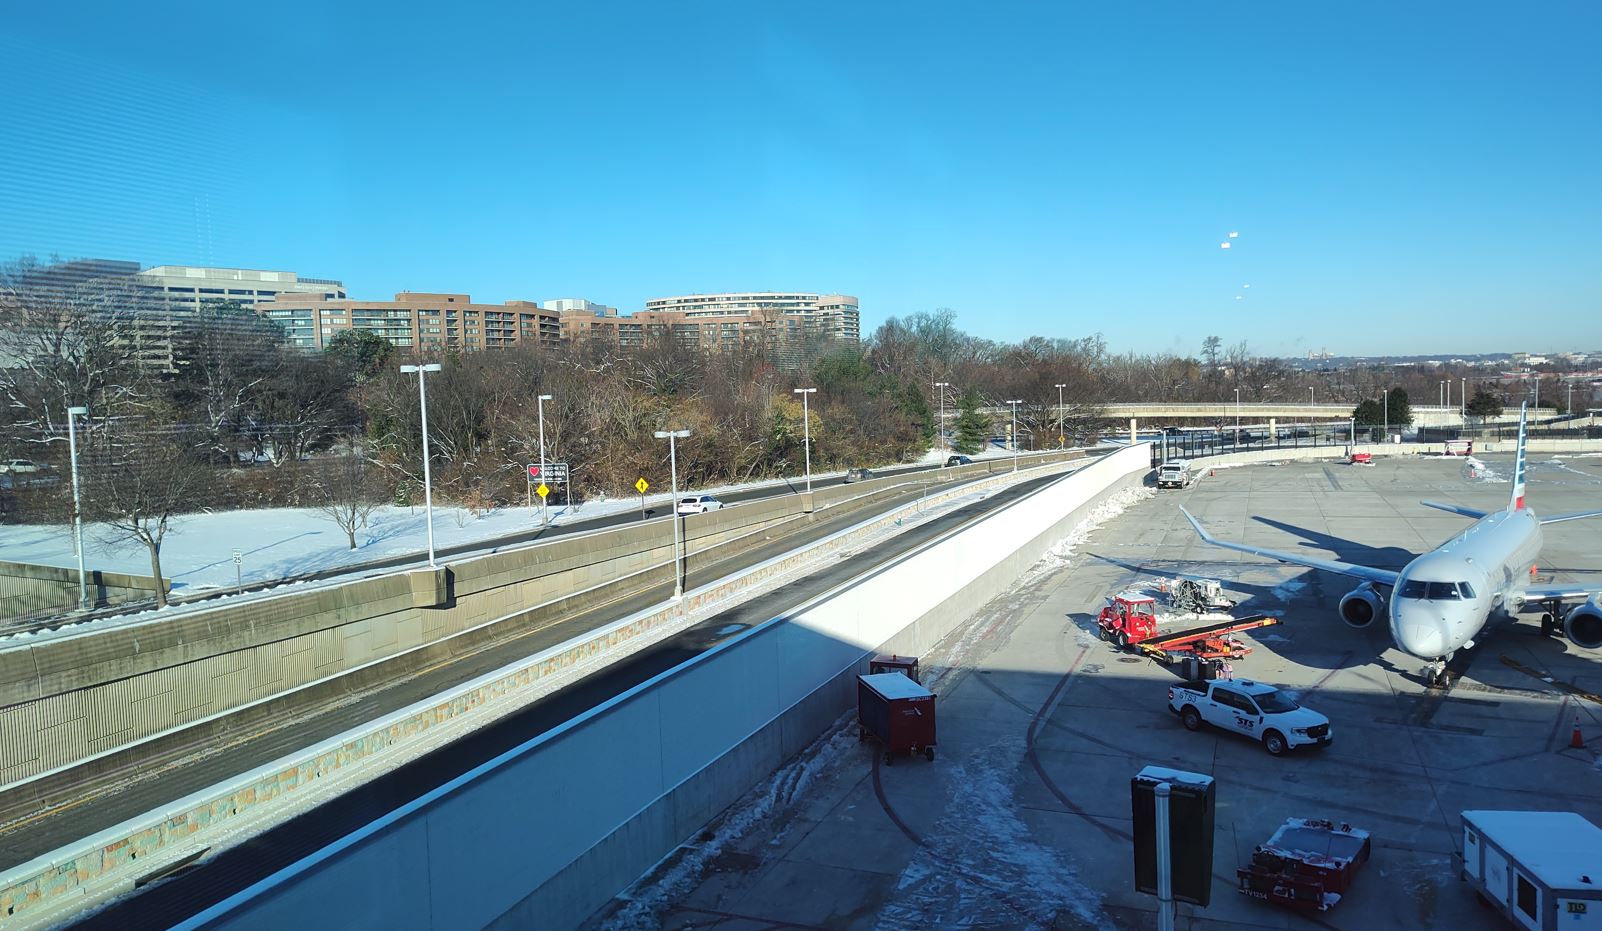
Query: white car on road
x,y
19,466
1261,712
698,504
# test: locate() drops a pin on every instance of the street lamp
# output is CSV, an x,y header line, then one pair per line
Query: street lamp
x,y
673,436
1015,434
1237,416
941,386
77,509
1309,395
1385,405
545,512
806,430
421,371
1062,441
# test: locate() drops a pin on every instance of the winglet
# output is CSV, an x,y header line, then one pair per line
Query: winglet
x,y
1516,497
1200,530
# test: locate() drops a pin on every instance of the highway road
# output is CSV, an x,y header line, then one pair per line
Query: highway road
x,y
163,903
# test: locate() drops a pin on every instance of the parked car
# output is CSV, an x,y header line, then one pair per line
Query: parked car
x,y
1261,712
698,504
18,466
858,475
957,461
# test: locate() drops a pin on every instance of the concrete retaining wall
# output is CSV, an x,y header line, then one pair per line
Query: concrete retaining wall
x,y
1391,449
543,835
34,591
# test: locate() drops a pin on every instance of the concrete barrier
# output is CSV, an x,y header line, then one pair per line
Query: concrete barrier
x,y
28,590
547,832
1339,453
109,861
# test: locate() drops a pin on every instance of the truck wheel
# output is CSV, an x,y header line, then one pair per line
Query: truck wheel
x,y
1191,718
1274,743
928,754
1103,632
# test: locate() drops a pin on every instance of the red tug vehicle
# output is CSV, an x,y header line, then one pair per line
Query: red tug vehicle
x,y
1308,864
1129,621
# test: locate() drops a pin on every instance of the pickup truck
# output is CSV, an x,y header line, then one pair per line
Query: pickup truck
x,y
1261,712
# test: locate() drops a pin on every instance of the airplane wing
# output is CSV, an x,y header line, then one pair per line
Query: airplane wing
x,y
1572,515
1457,509
1367,574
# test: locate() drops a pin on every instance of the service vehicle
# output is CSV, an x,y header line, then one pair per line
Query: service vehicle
x,y
858,475
1128,621
1195,595
1308,864
698,504
1255,709
899,713
1174,473
1542,870
957,461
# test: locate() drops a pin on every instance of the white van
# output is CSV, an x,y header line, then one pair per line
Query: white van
x,y
1175,473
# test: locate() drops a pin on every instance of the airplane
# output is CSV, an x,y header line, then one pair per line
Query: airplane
x,y
1442,599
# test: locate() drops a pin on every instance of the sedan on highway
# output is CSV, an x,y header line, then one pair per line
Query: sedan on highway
x,y
698,504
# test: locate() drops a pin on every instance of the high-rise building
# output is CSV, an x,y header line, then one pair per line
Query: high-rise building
x,y
423,320
578,305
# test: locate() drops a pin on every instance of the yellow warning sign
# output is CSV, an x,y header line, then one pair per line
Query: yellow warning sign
x,y
641,485
543,490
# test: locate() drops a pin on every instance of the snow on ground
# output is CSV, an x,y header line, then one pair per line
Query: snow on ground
x,y
952,875
1477,471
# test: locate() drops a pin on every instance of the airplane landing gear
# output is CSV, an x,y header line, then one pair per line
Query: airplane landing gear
x,y
1435,674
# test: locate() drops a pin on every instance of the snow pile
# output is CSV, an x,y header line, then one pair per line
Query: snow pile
x,y
1476,470
981,867
1059,556
682,869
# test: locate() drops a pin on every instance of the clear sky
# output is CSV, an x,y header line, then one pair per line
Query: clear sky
x,y
1404,177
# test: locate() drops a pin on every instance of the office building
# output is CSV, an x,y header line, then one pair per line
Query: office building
x,y
791,327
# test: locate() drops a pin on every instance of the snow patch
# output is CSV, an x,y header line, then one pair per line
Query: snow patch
x,y
981,866
1060,555
1288,590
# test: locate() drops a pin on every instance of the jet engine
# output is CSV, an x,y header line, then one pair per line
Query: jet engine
x,y
1362,606
1583,624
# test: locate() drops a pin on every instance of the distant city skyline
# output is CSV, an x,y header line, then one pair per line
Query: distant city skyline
x,y
1380,189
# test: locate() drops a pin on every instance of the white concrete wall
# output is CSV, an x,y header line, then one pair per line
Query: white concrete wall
x,y
548,832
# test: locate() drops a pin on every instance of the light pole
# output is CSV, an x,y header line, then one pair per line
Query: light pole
x,y
806,431
1237,417
941,386
1462,395
421,371
1062,441
1568,405
673,436
1014,434
1385,405
545,512
1309,398
77,509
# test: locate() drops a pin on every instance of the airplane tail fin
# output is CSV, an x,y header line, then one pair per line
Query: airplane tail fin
x,y
1516,497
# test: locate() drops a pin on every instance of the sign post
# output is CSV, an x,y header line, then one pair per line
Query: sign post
x,y
640,486
239,580
533,473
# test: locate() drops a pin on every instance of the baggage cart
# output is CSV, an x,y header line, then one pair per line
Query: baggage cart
x,y
1308,864
898,713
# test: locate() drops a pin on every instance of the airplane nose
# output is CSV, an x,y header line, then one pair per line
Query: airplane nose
x,y
1419,632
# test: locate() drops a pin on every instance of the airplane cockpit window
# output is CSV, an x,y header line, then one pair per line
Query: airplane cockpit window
x,y
1464,588
1413,588
1443,591
1436,591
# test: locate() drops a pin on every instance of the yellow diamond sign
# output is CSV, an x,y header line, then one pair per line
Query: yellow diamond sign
x,y
543,490
641,485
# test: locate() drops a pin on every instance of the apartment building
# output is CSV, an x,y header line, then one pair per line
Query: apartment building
x,y
416,319
790,326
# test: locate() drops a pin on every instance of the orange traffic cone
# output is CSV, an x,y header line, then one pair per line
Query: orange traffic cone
x,y
1576,742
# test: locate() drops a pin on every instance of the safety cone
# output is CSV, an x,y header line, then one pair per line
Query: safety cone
x,y
1576,742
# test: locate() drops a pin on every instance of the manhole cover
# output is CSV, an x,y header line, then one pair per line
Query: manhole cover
x,y
1130,659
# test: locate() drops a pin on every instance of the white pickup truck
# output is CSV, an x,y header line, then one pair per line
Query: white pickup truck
x,y
1261,712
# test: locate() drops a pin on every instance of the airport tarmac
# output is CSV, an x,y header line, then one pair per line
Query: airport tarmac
x,y
1023,818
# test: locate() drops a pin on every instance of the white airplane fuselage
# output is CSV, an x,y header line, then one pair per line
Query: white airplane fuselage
x,y
1444,598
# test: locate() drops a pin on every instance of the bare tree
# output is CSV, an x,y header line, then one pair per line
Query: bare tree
x,y
138,483
348,492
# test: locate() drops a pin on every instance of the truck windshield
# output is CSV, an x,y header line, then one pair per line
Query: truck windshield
x,y
1276,702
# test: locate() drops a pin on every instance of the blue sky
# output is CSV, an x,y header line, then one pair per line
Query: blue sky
x,y
1403,177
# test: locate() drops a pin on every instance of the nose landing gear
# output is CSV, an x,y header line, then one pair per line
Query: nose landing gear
x,y
1435,673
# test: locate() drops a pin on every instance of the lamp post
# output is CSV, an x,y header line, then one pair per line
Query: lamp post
x,y
1462,395
421,371
806,431
1237,417
1014,434
1309,397
545,512
673,436
77,509
1062,441
940,387
1385,405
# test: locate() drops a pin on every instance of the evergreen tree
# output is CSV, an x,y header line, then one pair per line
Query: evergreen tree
x,y
1484,404
972,427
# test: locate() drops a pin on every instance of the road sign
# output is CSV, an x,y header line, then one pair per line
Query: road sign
x,y
542,491
641,485
533,471
555,472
